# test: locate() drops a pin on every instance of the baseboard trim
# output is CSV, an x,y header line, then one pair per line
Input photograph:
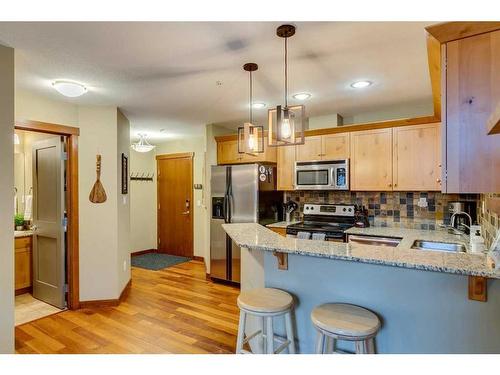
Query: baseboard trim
x,y
107,302
20,291
140,252
199,259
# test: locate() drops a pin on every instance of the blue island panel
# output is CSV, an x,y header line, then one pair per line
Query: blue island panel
x,y
421,311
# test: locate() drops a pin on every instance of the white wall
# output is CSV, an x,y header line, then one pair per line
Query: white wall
x,y
98,222
101,256
403,110
196,145
30,106
6,200
123,211
142,202
321,122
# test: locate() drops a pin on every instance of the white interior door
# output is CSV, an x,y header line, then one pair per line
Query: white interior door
x,y
49,276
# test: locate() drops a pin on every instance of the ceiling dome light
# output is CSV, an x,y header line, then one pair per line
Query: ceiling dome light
x,y
302,96
360,84
142,145
259,105
69,89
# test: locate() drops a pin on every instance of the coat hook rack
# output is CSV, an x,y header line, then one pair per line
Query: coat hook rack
x,y
137,176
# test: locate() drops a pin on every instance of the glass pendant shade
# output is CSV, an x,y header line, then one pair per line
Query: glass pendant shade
x,y
250,139
250,136
142,145
286,126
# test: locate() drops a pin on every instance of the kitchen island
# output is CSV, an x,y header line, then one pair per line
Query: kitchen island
x,y
420,296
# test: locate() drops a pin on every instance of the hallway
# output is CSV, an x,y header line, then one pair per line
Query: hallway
x,y
175,310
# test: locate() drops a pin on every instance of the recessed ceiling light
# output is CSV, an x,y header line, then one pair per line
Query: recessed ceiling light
x,y
360,84
69,89
302,96
259,105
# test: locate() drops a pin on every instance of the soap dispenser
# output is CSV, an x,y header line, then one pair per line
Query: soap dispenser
x,y
477,242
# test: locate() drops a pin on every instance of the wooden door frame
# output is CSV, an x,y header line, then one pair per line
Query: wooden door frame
x,y
71,133
181,155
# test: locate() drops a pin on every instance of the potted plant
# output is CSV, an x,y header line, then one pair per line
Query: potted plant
x,y
19,221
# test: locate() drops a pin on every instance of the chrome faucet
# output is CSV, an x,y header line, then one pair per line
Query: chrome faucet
x,y
452,221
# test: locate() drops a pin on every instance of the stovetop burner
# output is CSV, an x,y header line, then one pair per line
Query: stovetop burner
x,y
331,219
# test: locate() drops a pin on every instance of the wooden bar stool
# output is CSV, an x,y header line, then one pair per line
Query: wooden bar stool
x,y
340,321
266,303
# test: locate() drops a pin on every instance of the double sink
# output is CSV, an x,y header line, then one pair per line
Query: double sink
x,y
417,244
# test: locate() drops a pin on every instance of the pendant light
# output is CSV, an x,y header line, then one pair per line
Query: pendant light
x,y
286,123
250,136
142,145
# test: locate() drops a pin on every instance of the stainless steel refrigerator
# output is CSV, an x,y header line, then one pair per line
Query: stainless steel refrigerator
x,y
239,194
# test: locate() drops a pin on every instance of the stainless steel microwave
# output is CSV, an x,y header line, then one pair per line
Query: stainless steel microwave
x,y
322,175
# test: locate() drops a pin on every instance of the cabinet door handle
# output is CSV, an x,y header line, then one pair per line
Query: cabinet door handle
x,y
389,185
394,185
438,180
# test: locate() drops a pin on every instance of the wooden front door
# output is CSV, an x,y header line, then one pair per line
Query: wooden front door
x,y
175,209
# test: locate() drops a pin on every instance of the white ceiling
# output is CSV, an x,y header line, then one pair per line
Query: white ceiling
x,y
163,75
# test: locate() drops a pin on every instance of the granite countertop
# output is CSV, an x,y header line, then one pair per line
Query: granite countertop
x,y
256,237
282,224
22,233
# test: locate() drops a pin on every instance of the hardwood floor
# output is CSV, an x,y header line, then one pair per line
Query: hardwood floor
x,y
169,311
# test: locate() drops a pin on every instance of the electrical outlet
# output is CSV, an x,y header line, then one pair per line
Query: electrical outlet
x,y
422,202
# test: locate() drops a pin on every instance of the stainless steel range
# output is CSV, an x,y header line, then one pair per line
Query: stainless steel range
x,y
327,222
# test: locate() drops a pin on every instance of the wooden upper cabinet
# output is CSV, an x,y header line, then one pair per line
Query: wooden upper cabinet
x,y
371,160
335,146
417,157
227,153
472,91
310,150
286,168
324,147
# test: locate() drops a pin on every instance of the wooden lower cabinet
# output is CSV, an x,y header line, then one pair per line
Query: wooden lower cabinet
x,y
371,160
23,263
417,157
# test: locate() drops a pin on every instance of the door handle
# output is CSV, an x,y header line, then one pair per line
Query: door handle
x,y
34,228
185,213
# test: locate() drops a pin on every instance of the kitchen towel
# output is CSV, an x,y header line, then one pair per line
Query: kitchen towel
x,y
303,235
319,236
28,208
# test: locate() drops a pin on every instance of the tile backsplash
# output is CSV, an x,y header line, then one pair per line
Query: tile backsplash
x,y
490,222
394,209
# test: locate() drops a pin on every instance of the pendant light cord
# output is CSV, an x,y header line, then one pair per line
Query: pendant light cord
x,y
251,93
286,73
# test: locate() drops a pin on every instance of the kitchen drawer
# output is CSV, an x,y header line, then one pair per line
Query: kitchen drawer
x,y
22,242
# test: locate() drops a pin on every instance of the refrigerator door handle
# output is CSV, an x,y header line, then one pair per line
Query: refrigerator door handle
x,y
224,209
